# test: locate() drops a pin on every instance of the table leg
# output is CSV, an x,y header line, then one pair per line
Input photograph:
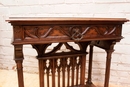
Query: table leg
x,y
89,81
90,65
109,52
108,64
19,59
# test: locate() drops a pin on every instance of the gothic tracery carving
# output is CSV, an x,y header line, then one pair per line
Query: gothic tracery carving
x,y
75,32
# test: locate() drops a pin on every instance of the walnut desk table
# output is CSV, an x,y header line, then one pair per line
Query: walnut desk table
x,y
67,69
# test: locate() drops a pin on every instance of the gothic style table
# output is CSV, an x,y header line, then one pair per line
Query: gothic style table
x,y
66,69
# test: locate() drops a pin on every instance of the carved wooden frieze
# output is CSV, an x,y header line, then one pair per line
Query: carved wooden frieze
x,y
64,32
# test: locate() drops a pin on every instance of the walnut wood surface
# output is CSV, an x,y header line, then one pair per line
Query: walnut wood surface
x,y
63,20
69,67
38,30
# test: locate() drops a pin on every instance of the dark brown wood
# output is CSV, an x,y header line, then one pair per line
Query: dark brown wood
x,y
108,63
19,60
56,61
68,73
59,76
53,72
89,80
65,33
40,32
63,20
41,73
82,78
63,71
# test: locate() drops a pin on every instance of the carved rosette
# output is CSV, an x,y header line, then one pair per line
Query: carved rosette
x,y
76,33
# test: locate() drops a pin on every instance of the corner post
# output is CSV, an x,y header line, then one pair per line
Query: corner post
x,y
108,63
18,52
90,65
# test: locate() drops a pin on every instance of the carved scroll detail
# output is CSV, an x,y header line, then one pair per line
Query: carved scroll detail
x,y
110,32
47,33
75,32
32,33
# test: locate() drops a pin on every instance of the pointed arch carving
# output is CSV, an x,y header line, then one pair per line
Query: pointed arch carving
x,y
41,48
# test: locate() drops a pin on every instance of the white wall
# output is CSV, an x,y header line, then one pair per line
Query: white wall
x,y
120,71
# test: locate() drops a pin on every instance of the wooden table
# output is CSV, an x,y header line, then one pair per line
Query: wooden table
x,y
67,69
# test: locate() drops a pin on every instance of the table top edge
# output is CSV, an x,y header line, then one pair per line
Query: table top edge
x,y
16,19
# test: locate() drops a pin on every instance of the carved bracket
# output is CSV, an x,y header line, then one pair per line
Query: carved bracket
x,y
41,48
18,52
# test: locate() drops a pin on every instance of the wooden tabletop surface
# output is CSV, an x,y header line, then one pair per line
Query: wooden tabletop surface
x,y
64,19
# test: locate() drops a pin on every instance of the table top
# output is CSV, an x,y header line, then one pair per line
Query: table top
x,y
62,29
64,19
